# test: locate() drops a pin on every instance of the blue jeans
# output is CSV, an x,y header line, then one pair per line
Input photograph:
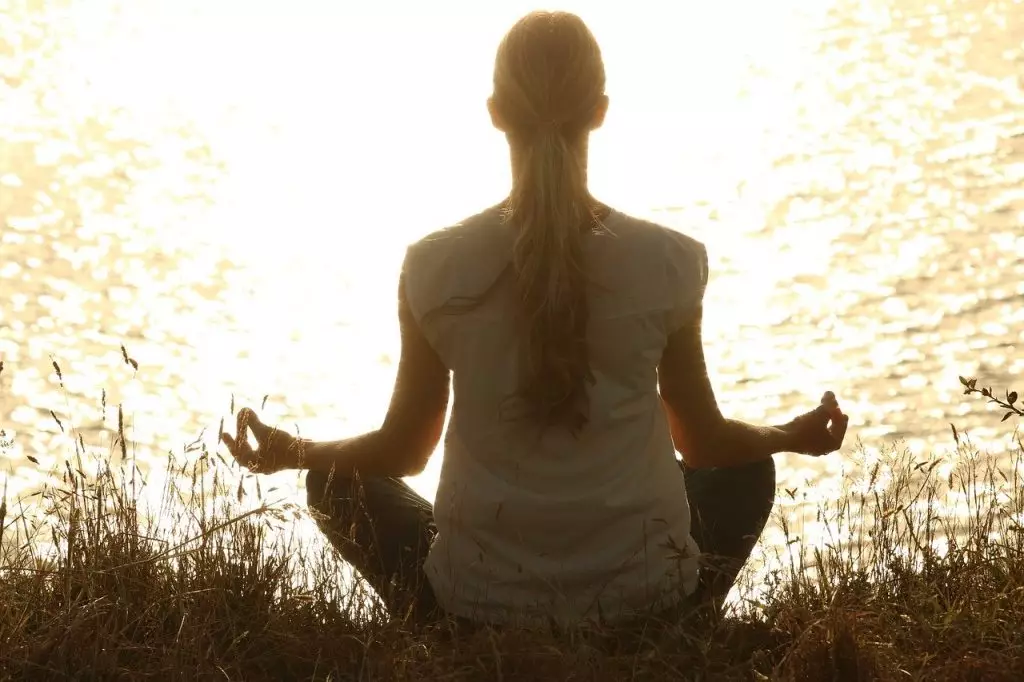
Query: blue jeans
x,y
384,529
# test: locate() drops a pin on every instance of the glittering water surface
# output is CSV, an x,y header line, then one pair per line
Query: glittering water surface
x,y
225,188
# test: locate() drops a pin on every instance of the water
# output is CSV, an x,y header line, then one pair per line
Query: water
x,y
226,188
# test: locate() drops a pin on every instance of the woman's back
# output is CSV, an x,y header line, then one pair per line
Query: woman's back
x,y
540,519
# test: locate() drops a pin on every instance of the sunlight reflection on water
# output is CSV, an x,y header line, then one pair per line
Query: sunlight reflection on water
x,y
236,217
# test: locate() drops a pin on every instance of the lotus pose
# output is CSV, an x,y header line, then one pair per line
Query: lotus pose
x,y
569,334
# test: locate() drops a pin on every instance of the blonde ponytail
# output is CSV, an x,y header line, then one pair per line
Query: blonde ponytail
x,y
548,83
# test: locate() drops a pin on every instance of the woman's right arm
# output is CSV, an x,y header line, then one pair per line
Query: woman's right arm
x,y
701,434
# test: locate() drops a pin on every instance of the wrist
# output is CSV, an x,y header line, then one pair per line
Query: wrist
x,y
788,439
304,449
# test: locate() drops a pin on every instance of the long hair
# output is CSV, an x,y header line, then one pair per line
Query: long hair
x,y
549,81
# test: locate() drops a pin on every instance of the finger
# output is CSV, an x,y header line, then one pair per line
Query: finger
x,y
240,450
252,420
829,400
259,429
822,413
245,420
838,429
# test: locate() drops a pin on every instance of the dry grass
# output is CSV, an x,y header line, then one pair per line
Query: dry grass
x,y
918,575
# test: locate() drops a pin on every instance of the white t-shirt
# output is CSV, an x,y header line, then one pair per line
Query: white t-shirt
x,y
538,526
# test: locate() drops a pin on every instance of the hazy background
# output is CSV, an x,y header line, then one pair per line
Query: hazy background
x,y
226,187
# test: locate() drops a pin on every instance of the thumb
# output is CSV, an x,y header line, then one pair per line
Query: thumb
x,y
839,427
248,418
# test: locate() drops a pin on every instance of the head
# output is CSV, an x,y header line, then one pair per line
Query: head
x,y
548,74
548,95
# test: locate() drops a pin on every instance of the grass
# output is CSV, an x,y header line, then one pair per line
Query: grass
x,y
918,574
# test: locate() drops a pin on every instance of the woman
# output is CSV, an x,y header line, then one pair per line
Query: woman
x,y
572,333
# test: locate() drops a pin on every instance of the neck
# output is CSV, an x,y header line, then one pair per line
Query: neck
x,y
601,210
516,153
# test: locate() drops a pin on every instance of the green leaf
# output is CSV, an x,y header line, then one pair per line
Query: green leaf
x,y
963,381
1011,397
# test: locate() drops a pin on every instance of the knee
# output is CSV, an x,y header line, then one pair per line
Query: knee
x,y
765,471
757,482
762,483
327,492
316,489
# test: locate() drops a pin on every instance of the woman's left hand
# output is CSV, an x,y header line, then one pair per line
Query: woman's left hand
x,y
277,450
820,431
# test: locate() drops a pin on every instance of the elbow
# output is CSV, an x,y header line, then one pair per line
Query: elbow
x,y
409,439
705,448
696,458
696,439
408,456
413,465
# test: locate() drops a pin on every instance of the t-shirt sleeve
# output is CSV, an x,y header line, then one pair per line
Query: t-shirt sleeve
x,y
420,275
409,275
686,278
423,280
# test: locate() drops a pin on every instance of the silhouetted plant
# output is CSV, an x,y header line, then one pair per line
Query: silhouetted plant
x,y
206,578
1009,404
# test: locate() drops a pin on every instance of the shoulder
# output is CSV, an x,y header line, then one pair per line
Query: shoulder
x,y
459,260
677,250
467,235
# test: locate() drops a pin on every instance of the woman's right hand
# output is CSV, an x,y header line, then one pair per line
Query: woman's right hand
x,y
820,431
277,451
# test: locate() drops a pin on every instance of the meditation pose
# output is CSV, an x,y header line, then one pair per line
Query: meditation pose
x,y
568,334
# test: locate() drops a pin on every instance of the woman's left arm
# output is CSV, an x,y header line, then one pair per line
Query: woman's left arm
x,y
400,447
